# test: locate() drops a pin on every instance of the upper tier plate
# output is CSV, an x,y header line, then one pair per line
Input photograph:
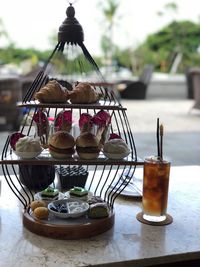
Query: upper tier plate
x,y
109,105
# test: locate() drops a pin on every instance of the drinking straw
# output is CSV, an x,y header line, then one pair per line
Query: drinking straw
x,y
161,141
158,138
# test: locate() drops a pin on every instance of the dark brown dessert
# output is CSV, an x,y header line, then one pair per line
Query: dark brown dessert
x,y
36,177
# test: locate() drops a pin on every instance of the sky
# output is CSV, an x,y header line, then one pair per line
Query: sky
x,y
31,23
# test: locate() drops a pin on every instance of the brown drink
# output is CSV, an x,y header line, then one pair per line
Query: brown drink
x,y
155,189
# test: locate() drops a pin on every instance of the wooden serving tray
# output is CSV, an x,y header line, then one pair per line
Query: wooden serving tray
x,y
78,228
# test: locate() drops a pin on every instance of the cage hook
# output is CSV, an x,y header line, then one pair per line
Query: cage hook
x,y
72,2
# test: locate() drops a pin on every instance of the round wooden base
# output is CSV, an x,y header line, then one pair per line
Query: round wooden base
x,y
168,220
78,228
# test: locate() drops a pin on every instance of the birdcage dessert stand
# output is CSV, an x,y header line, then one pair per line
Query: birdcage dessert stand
x,y
104,173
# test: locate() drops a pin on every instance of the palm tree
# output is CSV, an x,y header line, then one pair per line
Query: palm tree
x,y
169,8
172,8
109,9
3,34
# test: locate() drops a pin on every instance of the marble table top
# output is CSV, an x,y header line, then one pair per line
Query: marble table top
x,y
128,242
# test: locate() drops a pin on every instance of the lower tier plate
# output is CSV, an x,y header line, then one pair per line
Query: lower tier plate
x,y
78,228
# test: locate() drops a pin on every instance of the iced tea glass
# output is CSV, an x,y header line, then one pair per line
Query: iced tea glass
x,y
155,189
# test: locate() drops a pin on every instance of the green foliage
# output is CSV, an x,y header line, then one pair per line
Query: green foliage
x,y
182,37
105,45
3,32
158,49
168,8
110,9
171,6
12,54
123,58
64,65
76,65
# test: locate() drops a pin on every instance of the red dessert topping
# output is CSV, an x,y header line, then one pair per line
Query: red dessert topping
x,y
14,138
63,121
42,122
85,121
114,136
102,118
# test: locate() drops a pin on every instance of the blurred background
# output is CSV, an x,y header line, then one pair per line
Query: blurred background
x,y
148,51
124,35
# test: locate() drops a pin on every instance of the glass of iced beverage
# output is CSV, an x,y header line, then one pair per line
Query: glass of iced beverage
x,y
155,189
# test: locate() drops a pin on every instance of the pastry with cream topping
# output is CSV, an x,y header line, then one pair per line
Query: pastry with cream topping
x,y
28,144
116,149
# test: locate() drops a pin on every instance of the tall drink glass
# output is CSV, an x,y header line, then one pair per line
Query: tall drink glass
x,y
155,189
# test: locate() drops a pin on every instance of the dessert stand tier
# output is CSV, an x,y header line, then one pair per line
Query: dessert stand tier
x,y
78,228
106,105
46,159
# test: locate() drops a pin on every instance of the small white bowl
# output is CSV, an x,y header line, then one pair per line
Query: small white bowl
x,y
28,155
69,203
115,155
38,196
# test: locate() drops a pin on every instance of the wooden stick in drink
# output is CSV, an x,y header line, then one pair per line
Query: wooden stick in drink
x,y
158,138
161,141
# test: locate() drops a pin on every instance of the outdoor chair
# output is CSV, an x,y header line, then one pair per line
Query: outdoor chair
x,y
136,89
10,94
189,83
195,78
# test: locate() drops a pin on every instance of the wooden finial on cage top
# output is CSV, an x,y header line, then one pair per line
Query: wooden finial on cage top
x,y
71,31
70,12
